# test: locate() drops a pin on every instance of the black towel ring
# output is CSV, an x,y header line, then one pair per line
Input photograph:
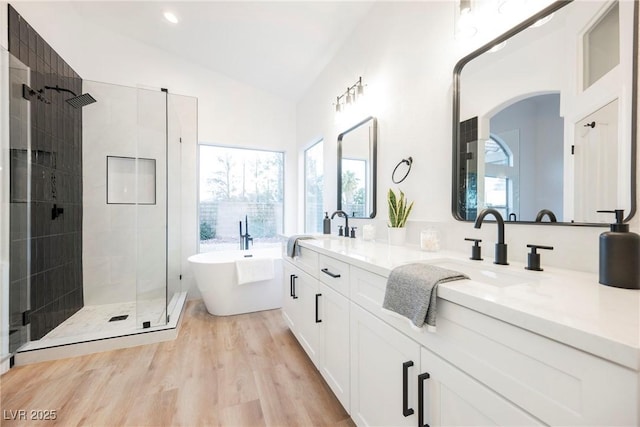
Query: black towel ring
x,y
409,162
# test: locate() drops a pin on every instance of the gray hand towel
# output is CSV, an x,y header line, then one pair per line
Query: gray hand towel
x,y
411,291
292,244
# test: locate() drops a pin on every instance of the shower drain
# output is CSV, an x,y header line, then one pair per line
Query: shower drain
x,y
116,318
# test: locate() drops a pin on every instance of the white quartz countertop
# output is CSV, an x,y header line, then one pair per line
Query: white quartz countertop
x,y
567,306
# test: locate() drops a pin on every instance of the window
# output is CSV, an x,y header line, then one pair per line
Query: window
x,y
236,183
602,46
354,179
498,187
496,194
497,152
313,187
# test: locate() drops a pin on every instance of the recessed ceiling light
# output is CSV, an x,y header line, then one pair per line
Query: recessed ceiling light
x,y
171,17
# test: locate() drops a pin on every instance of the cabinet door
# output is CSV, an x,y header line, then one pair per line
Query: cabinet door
x,y
452,398
289,305
305,289
384,368
333,321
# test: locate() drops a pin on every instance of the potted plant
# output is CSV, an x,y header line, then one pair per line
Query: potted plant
x,y
399,210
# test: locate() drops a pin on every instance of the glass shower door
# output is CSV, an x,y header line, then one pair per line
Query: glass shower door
x,y
20,171
174,197
151,208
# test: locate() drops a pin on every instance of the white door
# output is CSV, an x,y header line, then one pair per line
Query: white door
x,y
333,320
596,164
452,398
381,358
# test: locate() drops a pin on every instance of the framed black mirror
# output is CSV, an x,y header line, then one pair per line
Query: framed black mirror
x,y
544,117
357,148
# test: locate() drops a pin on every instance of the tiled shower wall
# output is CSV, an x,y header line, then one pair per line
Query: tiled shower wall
x,y
55,270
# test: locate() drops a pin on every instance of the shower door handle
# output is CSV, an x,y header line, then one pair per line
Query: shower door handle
x,y
317,297
293,286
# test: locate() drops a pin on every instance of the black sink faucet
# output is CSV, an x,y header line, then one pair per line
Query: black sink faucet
x,y
547,212
501,247
346,220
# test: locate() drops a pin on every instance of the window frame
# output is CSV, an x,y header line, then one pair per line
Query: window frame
x,y
304,178
200,144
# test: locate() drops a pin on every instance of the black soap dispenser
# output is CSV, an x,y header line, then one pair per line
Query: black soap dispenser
x,y
326,226
620,255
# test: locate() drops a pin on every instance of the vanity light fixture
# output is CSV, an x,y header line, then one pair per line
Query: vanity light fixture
x,y
350,96
465,25
465,7
171,17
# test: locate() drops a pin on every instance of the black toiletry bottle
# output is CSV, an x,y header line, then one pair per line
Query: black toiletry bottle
x,y
620,255
326,228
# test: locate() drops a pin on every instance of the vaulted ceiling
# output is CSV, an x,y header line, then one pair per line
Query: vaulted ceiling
x,y
278,46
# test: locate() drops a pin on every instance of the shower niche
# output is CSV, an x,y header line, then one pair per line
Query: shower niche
x,y
131,181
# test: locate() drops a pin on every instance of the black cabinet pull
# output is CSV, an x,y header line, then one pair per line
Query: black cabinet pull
x,y
293,287
317,320
326,271
421,379
406,411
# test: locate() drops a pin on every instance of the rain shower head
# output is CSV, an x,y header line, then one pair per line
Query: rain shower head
x,y
81,100
78,101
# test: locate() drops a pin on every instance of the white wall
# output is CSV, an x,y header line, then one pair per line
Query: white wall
x,y
406,52
229,112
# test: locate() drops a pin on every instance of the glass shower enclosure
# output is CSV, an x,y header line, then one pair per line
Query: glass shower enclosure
x,y
91,207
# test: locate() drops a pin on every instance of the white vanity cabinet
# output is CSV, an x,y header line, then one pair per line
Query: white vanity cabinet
x,y
289,304
299,307
452,398
476,369
384,369
449,396
319,318
333,326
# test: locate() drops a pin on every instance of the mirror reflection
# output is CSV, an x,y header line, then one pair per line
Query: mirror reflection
x,y
357,169
543,123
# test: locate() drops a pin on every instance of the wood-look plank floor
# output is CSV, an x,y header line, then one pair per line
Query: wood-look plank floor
x,y
245,370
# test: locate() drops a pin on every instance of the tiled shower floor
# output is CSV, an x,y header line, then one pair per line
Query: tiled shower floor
x,y
92,322
95,319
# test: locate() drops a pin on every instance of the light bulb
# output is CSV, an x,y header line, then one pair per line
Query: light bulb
x,y
171,17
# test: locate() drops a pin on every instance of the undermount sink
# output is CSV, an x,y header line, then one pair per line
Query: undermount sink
x,y
482,272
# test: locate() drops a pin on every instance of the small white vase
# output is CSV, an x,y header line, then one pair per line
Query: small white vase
x,y
397,235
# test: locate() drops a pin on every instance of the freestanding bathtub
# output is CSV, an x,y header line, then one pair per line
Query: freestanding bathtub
x,y
217,280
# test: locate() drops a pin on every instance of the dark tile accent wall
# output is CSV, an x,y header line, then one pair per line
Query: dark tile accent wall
x,y
55,270
467,193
